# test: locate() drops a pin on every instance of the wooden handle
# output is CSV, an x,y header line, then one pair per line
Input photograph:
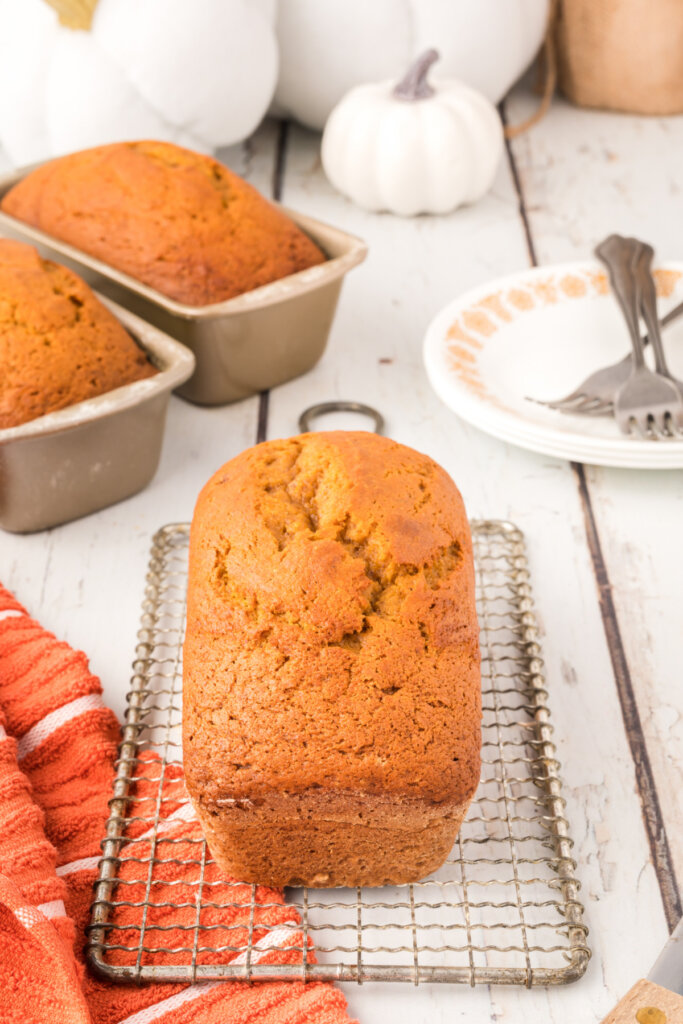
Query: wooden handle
x,y
647,1003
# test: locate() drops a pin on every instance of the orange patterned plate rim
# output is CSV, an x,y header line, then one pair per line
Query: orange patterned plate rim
x,y
537,334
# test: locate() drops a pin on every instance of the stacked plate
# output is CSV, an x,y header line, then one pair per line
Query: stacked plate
x,y
494,353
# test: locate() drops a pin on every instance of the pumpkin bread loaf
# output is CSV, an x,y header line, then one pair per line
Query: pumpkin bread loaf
x,y
178,221
331,694
58,344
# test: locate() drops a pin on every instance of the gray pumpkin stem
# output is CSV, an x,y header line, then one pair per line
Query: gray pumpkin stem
x,y
414,85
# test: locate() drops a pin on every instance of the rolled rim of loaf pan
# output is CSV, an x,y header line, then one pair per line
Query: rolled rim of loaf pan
x,y
174,362
87,456
342,250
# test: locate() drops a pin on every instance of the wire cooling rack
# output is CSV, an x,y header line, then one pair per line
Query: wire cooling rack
x,y
504,908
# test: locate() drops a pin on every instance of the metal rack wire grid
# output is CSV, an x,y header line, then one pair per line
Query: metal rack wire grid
x,y
504,908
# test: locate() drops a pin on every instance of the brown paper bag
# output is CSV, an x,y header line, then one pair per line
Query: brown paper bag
x,y
622,54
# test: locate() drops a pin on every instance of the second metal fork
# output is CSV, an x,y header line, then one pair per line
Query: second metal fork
x,y
653,402
595,395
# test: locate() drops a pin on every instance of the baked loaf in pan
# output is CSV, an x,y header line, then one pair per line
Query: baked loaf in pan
x,y
178,221
58,344
331,693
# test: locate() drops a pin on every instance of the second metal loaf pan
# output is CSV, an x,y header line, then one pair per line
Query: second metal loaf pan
x,y
247,344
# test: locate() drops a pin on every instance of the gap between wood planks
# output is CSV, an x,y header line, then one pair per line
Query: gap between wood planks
x,y
278,179
653,818
647,789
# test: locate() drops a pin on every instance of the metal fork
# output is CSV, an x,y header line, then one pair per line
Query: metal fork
x,y
595,395
650,401
648,309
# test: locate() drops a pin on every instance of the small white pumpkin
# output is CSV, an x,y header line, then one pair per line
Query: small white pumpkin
x,y
413,147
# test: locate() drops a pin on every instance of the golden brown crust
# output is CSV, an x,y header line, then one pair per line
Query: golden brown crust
x,y
178,221
323,853
58,344
332,642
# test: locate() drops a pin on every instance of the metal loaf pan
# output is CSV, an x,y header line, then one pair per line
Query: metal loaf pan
x,y
247,344
72,462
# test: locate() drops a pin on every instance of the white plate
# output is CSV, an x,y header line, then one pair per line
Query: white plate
x,y
538,334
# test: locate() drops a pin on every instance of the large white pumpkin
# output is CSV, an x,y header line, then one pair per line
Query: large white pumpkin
x,y
328,46
415,146
201,74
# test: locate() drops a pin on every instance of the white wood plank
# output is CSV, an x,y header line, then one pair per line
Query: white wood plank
x,y
414,267
587,173
584,175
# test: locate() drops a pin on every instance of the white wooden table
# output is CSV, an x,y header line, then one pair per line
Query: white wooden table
x,y
605,545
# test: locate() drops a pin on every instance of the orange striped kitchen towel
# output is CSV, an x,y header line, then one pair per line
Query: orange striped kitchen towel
x,y
57,750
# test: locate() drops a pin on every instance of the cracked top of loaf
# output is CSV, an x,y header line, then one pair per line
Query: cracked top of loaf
x,y
178,221
332,639
58,344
